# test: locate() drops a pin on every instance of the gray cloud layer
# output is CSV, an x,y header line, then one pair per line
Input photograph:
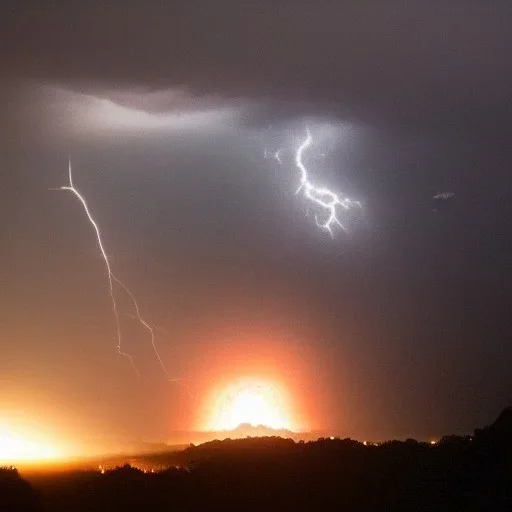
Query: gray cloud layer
x,y
414,62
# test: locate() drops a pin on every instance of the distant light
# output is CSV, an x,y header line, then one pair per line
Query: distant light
x,y
444,195
14,448
250,401
331,438
365,443
433,442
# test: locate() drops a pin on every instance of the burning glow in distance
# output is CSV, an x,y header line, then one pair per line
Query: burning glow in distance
x,y
15,448
251,401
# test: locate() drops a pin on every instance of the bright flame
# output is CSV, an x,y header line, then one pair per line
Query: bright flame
x,y
14,448
250,402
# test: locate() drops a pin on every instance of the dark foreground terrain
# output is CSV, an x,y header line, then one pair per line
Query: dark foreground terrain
x,y
472,473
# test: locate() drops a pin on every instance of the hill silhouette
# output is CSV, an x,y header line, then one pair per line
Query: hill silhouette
x,y
503,425
466,473
241,431
248,430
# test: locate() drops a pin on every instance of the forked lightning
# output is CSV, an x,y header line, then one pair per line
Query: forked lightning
x,y
113,279
321,196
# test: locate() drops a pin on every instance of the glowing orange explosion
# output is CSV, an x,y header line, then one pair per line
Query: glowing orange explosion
x,y
15,448
250,401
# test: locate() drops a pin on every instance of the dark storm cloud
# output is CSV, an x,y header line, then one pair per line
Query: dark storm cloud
x,y
408,61
412,306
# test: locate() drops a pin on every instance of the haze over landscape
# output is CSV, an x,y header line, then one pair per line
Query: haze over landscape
x,y
252,219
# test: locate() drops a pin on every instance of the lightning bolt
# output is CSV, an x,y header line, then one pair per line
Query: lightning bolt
x,y
151,329
321,196
113,279
144,324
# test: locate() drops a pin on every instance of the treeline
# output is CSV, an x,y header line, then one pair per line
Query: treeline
x,y
471,473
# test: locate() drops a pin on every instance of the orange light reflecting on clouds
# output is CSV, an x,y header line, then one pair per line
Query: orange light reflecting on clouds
x,y
251,401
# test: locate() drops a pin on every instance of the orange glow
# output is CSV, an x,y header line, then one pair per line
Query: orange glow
x,y
250,401
15,448
257,377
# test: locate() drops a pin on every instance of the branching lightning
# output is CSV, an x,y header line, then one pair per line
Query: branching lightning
x,y
113,279
321,196
144,324
276,155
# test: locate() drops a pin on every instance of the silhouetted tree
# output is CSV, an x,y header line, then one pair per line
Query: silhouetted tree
x,y
15,493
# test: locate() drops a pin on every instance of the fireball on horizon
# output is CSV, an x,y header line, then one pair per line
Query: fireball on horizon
x,y
252,402
15,448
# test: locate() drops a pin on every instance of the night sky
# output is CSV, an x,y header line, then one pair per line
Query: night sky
x,y
399,327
